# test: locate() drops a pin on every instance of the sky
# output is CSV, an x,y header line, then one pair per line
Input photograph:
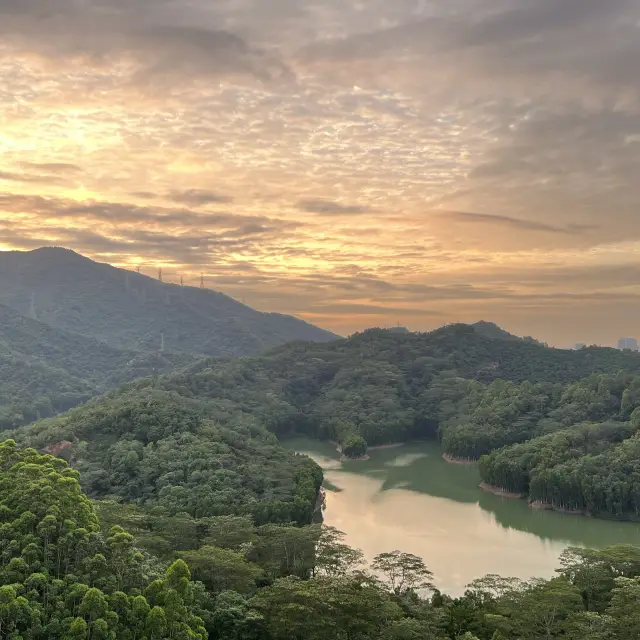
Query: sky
x,y
354,163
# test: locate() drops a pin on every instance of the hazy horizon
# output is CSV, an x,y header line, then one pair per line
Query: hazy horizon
x,y
355,164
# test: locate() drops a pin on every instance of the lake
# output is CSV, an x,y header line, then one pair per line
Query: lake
x,y
409,498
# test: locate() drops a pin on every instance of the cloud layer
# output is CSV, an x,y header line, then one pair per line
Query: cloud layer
x,y
353,163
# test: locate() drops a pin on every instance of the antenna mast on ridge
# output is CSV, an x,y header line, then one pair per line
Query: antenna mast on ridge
x,y
160,274
202,281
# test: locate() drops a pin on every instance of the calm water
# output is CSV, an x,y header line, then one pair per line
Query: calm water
x,y
410,499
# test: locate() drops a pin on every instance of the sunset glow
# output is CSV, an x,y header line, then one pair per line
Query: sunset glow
x,y
351,163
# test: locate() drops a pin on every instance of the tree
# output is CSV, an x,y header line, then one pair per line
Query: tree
x,y
403,571
222,569
588,625
323,608
333,557
355,446
624,609
541,611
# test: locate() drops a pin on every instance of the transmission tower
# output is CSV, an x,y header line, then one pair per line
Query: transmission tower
x,y
202,281
160,274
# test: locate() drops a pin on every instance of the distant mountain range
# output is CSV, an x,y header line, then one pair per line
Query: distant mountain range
x,y
131,311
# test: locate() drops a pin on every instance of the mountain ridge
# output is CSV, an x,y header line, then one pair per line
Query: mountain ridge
x,y
70,291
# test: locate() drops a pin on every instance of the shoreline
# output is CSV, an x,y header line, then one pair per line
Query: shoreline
x,y
343,458
546,506
497,491
379,447
461,461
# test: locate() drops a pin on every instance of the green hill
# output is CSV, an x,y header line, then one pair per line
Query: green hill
x,y
45,370
132,311
475,393
157,448
388,386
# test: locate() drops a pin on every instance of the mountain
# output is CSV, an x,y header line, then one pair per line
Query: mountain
x,y
131,311
45,370
385,386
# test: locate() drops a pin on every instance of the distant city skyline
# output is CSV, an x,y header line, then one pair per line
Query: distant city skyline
x,y
628,343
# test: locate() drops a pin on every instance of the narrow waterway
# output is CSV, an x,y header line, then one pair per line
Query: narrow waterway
x,y
408,498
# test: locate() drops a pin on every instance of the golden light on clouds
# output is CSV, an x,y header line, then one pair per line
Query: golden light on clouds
x,y
353,164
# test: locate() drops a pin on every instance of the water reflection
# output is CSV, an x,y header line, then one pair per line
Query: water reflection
x,y
410,499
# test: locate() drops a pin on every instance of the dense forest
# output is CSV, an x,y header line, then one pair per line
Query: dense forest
x,y
72,570
132,311
381,385
171,510
477,394
157,448
45,371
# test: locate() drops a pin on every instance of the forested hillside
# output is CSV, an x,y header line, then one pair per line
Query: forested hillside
x,y
157,448
70,571
45,370
476,394
133,312
383,386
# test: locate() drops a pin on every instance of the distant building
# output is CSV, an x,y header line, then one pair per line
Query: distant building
x,y
628,343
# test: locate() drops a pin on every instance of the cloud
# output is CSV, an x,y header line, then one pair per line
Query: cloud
x,y
181,235
474,159
164,40
197,197
514,223
53,167
11,176
123,213
331,208
476,47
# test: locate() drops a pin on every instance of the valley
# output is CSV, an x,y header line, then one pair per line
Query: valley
x,y
181,499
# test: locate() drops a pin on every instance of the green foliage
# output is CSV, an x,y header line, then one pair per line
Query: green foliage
x,y
354,447
46,370
380,387
324,608
222,569
155,447
403,571
388,387
61,579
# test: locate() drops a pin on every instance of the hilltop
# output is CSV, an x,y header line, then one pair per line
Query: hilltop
x,y
130,311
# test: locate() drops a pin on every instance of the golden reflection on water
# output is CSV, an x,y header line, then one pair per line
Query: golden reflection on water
x,y
410,499
459,542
